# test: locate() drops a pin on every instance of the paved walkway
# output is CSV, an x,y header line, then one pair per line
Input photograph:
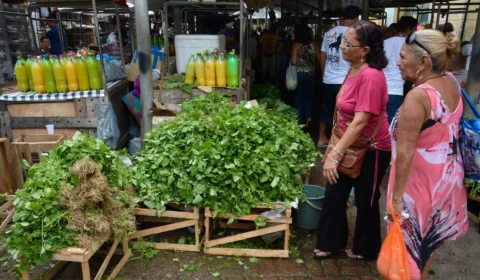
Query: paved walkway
x,y
455,261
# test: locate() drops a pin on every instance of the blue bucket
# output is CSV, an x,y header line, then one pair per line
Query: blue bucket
x,y
308,213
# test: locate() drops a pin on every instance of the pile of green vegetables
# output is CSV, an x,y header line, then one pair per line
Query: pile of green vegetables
x,y
212,155
472,186
178,81
276,106
41,222
270,91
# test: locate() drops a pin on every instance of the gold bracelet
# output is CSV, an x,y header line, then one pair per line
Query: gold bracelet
x,y
334,160
338,151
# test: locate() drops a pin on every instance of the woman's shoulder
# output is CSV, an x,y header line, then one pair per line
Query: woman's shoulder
x,y
370,73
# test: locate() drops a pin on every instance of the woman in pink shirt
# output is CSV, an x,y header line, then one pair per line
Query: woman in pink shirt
x,y
361,105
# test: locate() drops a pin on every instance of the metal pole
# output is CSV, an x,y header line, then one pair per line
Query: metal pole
x,y
282,11
438,14
365,9
60,32
34,31
177,21
473,81
297,11
6,45
433,15
242,43
119,28
97,31
465,20
448,9
81,27
144,62
132,29
320,22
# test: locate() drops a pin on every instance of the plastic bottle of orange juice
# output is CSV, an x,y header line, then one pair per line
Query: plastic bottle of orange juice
x,y
47,68
221,71
210,71
37,74
28,64
59,74
21,74
82,73
71,73
190,73
200,69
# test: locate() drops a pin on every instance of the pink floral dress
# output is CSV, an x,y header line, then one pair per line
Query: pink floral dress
x,y
435,196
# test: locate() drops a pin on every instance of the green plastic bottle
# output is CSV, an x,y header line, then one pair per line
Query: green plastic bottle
x,y
82,73
94,76
232,70
59,74
47,68
190,72
29,63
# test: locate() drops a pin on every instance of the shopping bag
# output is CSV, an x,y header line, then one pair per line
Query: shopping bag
x,y
392,263
470,142
291,78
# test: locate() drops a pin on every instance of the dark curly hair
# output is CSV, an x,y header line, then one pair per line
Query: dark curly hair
x,y
303,34
370,35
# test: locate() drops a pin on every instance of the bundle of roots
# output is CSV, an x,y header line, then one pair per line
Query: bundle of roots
x,y
97,211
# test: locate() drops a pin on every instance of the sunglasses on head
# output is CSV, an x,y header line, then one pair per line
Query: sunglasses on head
x,y
411,39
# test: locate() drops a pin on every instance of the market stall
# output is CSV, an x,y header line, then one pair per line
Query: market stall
x,y
73,108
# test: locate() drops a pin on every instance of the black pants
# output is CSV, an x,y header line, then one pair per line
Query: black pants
x,y
333,230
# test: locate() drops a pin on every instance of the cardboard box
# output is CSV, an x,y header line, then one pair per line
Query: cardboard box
x,y
156,59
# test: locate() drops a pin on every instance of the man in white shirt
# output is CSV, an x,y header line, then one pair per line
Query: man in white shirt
x,y
334,69
393,46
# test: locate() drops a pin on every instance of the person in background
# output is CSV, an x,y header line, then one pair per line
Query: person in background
x,y
334,69
269,42
231,41
113,49
361,106
44,46
54,36
113,36
427,175
395,83
304,54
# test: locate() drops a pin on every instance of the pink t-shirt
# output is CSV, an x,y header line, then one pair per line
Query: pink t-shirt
x,y
365,92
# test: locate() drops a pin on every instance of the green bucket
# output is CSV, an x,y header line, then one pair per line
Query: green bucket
x,y
308,213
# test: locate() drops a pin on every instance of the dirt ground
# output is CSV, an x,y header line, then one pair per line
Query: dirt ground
x,y
455,261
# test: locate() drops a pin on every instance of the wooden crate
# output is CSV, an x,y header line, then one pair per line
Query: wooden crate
x,y
247,222
176,219
7,164
7,211
30,148
82,256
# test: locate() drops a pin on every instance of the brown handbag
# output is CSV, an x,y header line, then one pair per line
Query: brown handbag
x,y
351,163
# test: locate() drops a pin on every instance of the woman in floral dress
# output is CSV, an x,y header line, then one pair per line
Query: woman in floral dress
x,y
426,179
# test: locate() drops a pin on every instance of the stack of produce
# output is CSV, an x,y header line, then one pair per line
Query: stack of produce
x,y
78,196
213,69
52,74
231,160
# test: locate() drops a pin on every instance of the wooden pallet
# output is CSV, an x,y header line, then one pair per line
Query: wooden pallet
x,y
30,147
6,164
247,222
7,211
82,256
176,219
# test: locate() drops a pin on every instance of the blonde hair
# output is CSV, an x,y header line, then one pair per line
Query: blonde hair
x,y
441,49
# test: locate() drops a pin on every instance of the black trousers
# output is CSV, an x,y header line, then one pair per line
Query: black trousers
x,y
333,230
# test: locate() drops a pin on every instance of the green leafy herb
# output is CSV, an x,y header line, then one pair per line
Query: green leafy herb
x,y
276,106
231,160
216,274
254,260
260,91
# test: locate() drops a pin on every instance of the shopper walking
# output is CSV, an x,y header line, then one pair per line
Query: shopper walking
x,y
54,35
360,114
426,179
395,83
269,42
304,54
334,69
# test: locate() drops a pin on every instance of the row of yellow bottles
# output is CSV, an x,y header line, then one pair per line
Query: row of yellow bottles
x,y
52,74
211,71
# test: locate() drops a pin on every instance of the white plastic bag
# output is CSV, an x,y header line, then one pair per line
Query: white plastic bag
x,y
291,79
107,126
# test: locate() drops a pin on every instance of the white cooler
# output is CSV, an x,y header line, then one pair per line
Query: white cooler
x,y
185,45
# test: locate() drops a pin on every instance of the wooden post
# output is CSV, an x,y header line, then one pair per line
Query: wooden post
x,y
473,81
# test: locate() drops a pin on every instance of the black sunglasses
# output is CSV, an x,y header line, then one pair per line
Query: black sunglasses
x,y
411,39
